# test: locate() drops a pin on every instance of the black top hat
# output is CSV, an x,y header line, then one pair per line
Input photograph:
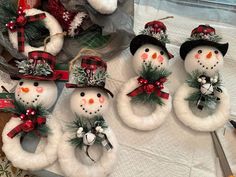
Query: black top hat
x,y
154,33
91,73
40,66
203,35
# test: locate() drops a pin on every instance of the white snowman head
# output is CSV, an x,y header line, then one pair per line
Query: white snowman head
x,y
150,47
202,51
89,102
149,53
207,59
33,93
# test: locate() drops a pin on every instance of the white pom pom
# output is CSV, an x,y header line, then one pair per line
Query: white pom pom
x,y
89,139
215,80
98,128
211,79
207,89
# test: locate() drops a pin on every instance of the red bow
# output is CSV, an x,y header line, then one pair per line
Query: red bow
x,y
19,26
149,88
28,124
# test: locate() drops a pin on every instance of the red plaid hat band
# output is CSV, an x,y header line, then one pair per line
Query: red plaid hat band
x,y
43,56
93,62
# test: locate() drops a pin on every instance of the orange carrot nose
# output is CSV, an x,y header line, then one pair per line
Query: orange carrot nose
x,y
91,101
26,90
209,55
154,56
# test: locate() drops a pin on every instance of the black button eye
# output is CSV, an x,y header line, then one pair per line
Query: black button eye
x,y
147,50
21,83
82,94
99,95
162,53
36,84
216,51
199,51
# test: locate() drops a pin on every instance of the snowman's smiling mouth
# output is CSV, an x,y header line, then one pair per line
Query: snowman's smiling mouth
x,y
28,102
207,67
90,112
146,63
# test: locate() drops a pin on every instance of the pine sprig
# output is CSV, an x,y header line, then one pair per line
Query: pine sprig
x,y
34,31
40,130
210,100
214,38
28,67
88,125
161,36
83,78
152,74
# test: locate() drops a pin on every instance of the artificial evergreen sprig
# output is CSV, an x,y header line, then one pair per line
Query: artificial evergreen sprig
x,y
19,109
210,37
34,31
88,125
210,100
161,36
28,67
152,74
85,77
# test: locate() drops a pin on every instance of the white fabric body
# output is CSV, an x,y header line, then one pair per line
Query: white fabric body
x,y
26,160
55,44
72,166
149,122
209,123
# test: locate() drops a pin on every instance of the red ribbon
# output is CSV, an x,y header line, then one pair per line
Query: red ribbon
x,y
28,124
149,88
19,26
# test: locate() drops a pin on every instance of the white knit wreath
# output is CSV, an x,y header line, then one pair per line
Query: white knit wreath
x,y
56,42
26,160
150,122
73,167
209,123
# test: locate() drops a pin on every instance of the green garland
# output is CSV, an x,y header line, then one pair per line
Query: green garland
x,y
20,108
210,100
88,125
34,31
152,74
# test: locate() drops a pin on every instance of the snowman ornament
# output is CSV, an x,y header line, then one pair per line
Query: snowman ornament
x,y
203,58
35,93
88,102
150,62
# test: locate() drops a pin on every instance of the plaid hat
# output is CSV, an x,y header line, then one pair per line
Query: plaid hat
x,y
203,35
39,66
92,72
154,33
